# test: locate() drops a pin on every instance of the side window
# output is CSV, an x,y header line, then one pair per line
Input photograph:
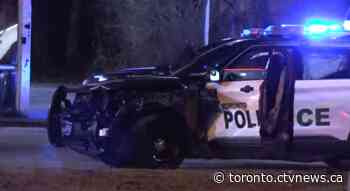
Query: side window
x,y
215,58
325,63
243,74
250,66
256,58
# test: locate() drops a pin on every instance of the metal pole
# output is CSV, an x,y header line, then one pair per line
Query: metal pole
x,y
24,55
207,23
347,182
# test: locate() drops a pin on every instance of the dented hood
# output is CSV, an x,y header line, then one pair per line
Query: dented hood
x,y
7,38
127,73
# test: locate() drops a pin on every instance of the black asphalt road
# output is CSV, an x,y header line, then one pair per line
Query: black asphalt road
x,y
29,148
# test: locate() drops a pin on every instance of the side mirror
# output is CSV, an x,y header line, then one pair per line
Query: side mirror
x,y
214,76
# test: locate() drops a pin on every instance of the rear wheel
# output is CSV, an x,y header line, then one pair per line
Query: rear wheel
x,y
334,163
153,140
337,162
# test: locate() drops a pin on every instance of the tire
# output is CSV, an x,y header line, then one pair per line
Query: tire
x,y
3,90
155,139
54,131
336,162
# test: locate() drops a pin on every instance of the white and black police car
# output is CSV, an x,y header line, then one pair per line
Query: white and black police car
x,y
318,79
275,93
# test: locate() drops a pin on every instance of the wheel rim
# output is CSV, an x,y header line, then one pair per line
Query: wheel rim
x,y
60,122
164,151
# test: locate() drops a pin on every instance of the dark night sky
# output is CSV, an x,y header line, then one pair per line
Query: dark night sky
x,y
51,26
8,13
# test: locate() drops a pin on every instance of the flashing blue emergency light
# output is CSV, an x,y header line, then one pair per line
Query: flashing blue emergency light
x,y
252,32
320,28
246,32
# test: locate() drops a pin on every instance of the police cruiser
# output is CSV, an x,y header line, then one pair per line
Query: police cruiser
x,y
275,93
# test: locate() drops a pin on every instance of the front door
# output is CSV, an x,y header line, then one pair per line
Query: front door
x,y
238,96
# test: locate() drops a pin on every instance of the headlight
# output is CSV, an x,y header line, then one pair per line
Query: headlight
x,y
85,82
100,78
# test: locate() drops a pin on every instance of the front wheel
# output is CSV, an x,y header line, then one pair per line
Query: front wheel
x,y
154,140
55,117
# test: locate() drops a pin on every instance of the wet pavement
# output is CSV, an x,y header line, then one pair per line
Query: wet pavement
x,y
29,148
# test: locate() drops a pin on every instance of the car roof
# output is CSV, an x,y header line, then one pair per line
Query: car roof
x,y
268,41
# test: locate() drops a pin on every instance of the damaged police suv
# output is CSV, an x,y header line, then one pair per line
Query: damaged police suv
x,y
280,93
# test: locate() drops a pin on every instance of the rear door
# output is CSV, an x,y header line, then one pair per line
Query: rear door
x,y
322,96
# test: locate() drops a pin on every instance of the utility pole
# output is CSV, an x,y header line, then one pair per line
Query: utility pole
x,y
347,186
207,22
24,55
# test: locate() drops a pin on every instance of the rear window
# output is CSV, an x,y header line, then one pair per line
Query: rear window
x,y
325,63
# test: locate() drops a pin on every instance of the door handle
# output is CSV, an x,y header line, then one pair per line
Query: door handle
x,y
247,89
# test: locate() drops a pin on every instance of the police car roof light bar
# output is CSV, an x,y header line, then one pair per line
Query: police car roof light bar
x,y
346,25
284,30
252,32
314,29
